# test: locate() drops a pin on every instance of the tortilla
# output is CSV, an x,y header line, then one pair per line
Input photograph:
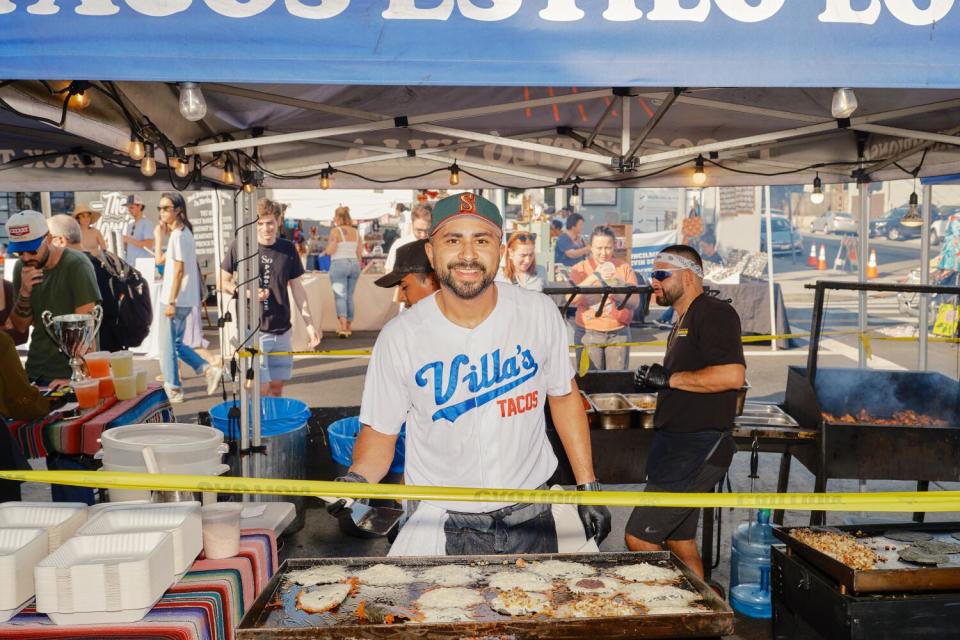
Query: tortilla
x,y
449,614
451,575
323,599
918,555
674,609
598,586
658,594
384,575
938,546
320,574
449,598
506,580
908,536
595,607
517,602
643,572
553,569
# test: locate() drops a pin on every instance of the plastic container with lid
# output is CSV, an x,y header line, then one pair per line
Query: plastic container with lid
x,y
221,530
173,444
750,567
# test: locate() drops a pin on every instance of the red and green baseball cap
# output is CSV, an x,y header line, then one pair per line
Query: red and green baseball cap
x,y
465,204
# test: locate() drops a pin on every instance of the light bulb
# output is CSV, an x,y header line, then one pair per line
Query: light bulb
x,y
193,106
699,175
183,167
575,196
324,180
228,177
817,196
148,165
248,187
80,100
912,217
844,103
454,175
219,162
135,147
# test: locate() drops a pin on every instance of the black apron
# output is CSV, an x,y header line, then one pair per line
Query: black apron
x,y
675,458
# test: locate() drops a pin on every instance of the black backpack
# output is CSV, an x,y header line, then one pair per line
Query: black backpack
x,y
128,312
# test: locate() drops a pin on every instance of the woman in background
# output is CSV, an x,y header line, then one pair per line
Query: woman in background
x,y
520,265
90,237
344,248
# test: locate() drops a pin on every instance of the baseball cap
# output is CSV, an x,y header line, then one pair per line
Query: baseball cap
x,y
26,231
411,258
134,199
465,204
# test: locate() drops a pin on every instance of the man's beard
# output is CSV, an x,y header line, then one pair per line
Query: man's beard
x,y
666,299
467,291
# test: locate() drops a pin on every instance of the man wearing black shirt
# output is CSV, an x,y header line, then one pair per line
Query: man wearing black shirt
x,y
280,267
697,395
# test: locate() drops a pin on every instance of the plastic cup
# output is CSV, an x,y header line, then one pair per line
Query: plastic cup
x,y
88,393
122,363
125,386
106,387
141,374
98,364
221,529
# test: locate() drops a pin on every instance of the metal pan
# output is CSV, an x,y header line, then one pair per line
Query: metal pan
x,y
614,410
645,406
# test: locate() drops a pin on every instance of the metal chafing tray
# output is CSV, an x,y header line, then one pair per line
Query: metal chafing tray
x,y
274,615
615,411
891,575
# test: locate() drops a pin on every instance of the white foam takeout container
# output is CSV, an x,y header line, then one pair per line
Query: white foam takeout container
x,y
20,551
59,519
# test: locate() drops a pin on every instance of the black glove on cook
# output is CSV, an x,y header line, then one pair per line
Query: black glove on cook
x,y
652,376
596,519
339,509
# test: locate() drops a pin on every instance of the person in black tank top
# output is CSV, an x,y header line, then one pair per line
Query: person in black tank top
x,y
697,388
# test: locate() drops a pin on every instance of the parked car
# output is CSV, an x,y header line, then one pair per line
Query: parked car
x,y
841,222
890,225
786,238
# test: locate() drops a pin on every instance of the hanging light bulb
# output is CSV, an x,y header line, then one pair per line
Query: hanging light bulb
x,y
699,175
324,179
193,106
228,177
912,217
148,164
182,168
454,175
135,147
219,161
575,195
844,103
79,100
817,196
248,187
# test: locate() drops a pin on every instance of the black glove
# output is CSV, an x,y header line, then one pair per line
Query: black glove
x,y
652,376
339,509
596,519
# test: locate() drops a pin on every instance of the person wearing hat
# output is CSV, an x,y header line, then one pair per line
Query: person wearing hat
x,y
47,278
470,370
138,239
93,241
412,274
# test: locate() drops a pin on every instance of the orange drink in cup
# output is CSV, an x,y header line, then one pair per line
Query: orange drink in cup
x,y
88,392
98,364
106,387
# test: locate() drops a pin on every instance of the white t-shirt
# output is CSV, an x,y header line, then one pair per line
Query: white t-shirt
x,y
141,229
473,399
181,247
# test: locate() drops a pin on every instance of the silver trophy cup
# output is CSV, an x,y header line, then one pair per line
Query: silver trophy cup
x,y
74,333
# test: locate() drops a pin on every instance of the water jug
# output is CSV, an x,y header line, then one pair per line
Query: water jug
x,y
750,567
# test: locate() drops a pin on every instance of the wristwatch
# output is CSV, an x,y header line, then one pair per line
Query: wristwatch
x,y
589,486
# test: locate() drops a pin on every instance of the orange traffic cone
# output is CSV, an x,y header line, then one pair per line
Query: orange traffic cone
x,y
812,259
822,259
872,270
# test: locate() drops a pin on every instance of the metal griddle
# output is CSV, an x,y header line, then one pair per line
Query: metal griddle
x,y
892,575
275,615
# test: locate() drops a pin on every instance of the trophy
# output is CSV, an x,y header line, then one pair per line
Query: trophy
x,y
74,333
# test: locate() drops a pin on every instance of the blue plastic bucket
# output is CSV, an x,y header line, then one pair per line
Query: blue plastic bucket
x,y
342,435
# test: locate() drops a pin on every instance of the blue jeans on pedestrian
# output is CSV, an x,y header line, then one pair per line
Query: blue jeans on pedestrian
x,y
172,347
344,275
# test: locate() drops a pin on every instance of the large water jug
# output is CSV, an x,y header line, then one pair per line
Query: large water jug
x,y
750,567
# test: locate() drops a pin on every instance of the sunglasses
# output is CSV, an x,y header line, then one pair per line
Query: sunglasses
x,y
663,274
166,208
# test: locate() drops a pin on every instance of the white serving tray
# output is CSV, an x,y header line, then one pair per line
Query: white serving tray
x,y
107,578
181,519
60,519
20,551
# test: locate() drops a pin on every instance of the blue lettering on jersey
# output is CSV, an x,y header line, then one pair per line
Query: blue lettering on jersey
x,y
493,370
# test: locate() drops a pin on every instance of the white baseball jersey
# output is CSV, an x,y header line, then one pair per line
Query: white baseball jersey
x,y
473,399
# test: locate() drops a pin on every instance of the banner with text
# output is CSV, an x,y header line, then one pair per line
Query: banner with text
x,y
645,248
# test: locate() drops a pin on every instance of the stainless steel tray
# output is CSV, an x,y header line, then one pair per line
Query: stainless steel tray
x,y
615,411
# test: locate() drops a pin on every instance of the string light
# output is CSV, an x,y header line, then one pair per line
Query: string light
x,y
844,103
817,196
228,177
148,164
324,179
912,217
182,168
575,195
193,106
248,186
79,100
454,175
699,175
135,147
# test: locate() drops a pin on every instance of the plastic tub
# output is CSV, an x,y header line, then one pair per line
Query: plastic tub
x,y
174,444
213,468
342,435
221,530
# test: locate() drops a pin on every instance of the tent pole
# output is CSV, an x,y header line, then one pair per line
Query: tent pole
x,y
770,285
924,278
863,235
243,272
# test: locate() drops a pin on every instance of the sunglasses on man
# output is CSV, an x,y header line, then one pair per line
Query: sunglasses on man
x,y
662,274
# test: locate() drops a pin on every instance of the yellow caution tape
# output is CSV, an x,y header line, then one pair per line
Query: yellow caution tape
x,y
906,501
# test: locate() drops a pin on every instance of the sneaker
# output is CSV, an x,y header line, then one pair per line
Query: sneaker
x,y
213,374
174,396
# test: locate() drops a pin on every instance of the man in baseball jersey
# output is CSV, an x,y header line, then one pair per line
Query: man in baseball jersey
x,y
470,370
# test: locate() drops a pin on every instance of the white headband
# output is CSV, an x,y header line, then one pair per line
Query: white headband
x,y
680,262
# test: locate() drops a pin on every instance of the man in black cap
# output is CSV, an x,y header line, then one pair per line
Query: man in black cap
x,y
412,274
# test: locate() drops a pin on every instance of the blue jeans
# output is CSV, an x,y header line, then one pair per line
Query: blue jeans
x,y
172,347
344,275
